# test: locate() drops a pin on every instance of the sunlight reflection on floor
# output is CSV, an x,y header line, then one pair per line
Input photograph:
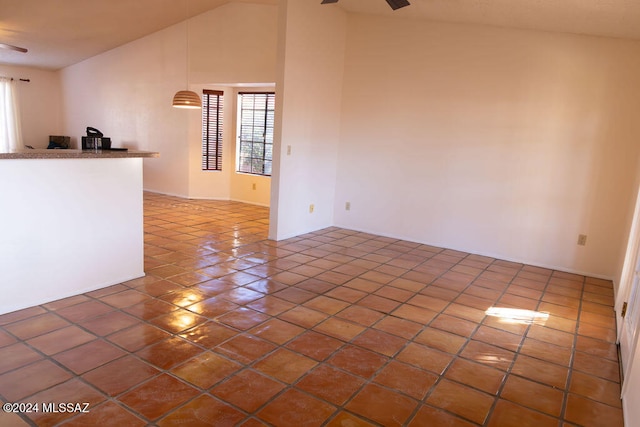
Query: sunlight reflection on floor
x,y
518,316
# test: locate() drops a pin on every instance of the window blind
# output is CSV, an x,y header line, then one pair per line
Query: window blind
x,y
257,117
212,121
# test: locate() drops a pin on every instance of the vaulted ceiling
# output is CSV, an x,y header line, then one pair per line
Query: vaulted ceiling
x,y
609,18
59,33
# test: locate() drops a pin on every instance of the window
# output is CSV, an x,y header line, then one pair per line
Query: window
x,y
255,151
212,119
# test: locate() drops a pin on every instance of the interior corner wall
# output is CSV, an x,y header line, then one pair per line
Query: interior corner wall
x,y
308,98
508,143
40,103
231,47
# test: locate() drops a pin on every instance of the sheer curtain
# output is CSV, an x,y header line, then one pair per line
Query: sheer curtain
x,y
10,130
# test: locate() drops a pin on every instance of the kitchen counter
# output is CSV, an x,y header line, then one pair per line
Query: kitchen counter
x,y
75,154
71,222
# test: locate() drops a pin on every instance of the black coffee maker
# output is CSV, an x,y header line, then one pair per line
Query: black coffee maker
x,y
95,140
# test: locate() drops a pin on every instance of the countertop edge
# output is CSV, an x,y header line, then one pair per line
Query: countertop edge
x,y
77,154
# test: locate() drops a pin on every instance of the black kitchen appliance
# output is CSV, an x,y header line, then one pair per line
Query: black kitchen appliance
x,y
95,140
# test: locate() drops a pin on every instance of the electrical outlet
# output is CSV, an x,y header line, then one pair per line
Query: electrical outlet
x,y
311,208
253,186
582,239
347,206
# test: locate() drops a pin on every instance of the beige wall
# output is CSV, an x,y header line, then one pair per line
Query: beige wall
x,y
41,110
254,189
235,43
494,141
308,96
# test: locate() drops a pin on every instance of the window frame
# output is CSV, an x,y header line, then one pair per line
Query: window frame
x,y
250,164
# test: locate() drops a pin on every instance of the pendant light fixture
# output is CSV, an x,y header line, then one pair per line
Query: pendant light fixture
x,y
187,98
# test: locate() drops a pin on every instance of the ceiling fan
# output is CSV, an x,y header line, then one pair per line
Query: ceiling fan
x,y
12,47
395,4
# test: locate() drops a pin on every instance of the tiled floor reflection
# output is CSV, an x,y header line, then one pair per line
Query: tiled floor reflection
x,y
335,328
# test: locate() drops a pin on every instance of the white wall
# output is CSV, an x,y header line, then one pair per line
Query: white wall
x,y
68,226
493,141
127,92
40,106
235,43
308,93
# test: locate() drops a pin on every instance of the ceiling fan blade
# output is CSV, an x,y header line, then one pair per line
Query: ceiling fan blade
x,y
397,4
329,1
12,47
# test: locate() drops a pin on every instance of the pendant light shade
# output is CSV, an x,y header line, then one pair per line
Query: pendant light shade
x,y
186,99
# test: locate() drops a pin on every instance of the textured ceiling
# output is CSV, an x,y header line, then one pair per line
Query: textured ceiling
x,y
59,33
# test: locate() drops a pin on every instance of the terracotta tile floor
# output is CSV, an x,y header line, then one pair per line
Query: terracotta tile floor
x,y
335,328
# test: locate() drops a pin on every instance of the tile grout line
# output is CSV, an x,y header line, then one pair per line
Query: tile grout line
x,y
356,246
574,349
461,349
517,355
